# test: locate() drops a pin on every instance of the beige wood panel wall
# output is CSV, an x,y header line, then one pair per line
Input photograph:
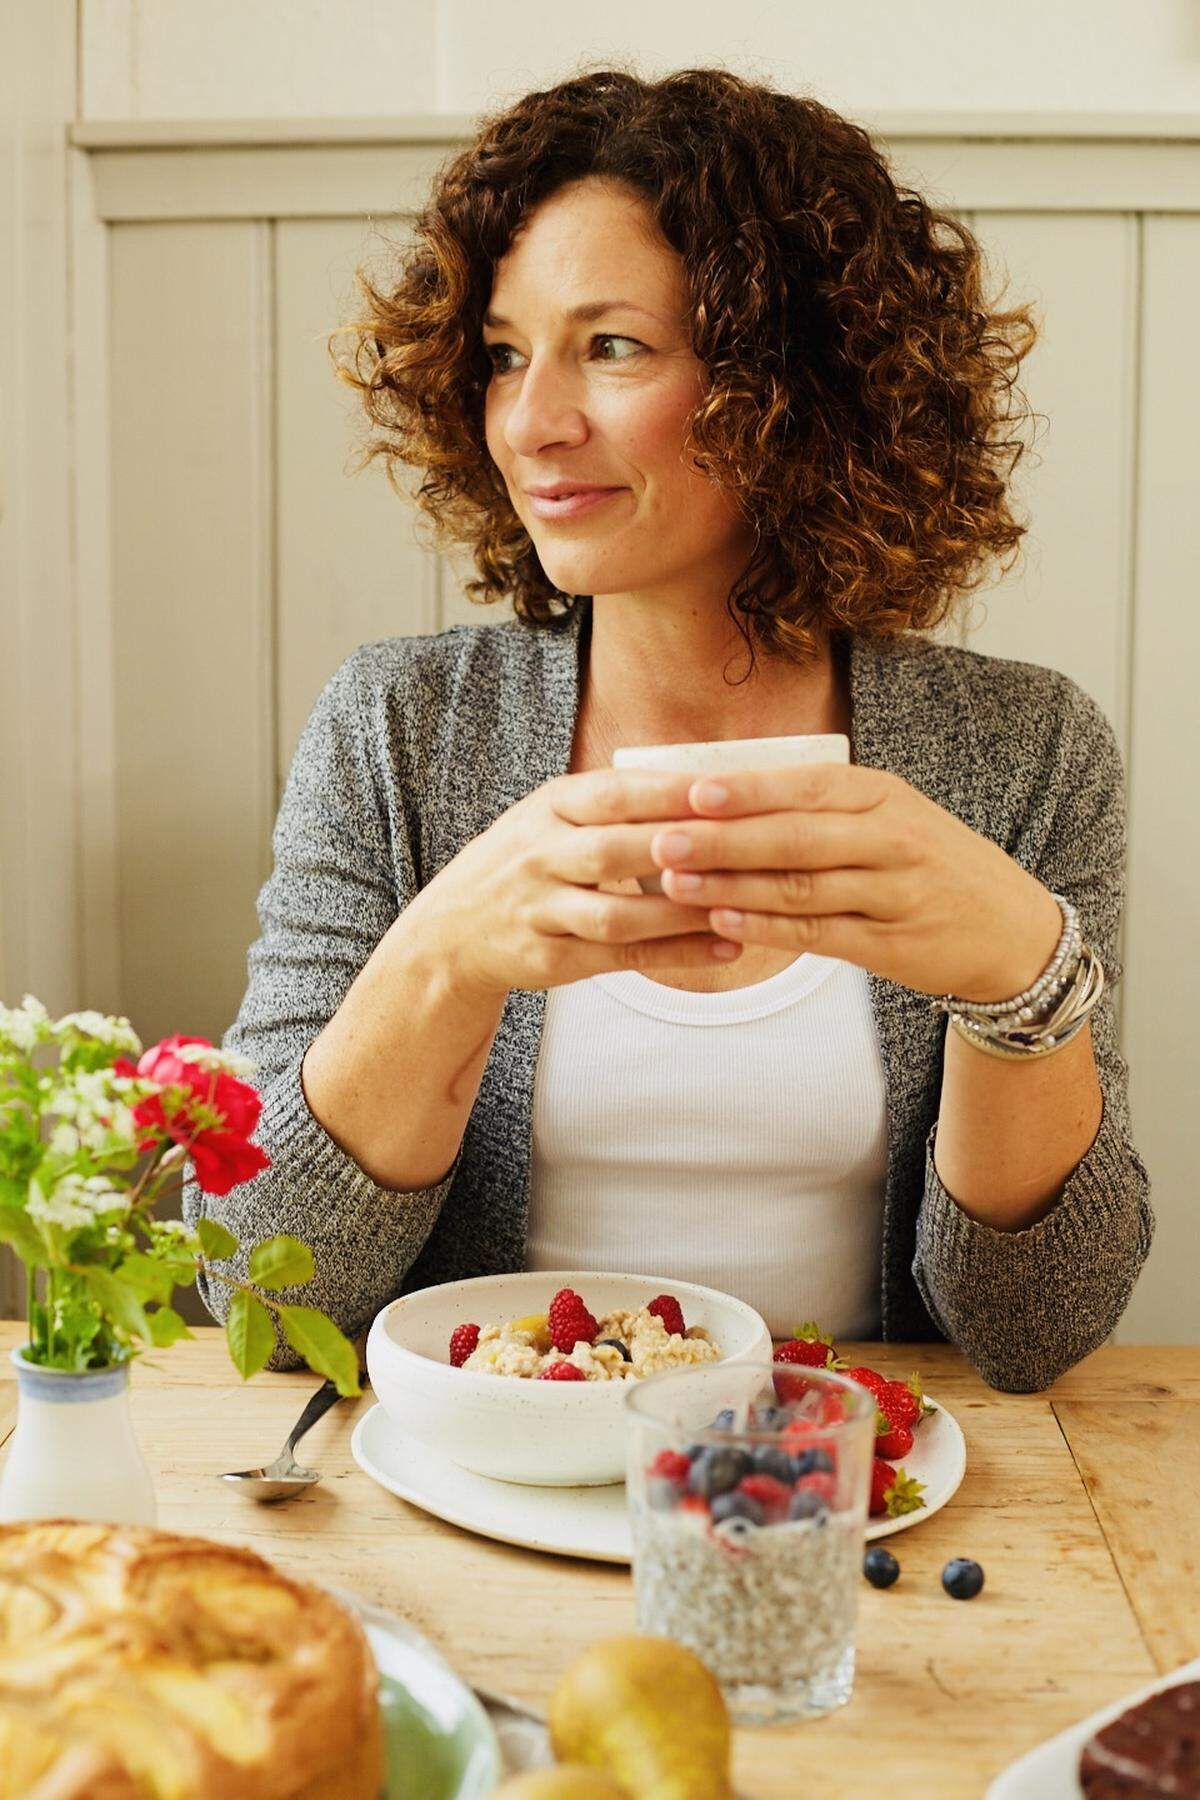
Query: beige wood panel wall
x,y
247,561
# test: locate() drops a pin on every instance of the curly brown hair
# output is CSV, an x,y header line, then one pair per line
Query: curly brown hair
x,y
858,381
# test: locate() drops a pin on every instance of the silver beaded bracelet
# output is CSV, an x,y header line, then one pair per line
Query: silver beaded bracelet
x,y
1047,1015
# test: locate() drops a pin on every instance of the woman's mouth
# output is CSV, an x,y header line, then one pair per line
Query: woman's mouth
x,y
569,506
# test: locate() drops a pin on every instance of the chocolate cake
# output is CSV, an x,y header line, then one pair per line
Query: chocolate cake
x,y
1152,1748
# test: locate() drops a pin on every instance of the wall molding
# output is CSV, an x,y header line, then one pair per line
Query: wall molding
x,y
310,168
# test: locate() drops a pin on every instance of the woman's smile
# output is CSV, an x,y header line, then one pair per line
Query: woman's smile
x,y
570,506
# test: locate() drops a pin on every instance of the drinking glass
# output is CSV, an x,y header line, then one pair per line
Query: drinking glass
x,y
748,1490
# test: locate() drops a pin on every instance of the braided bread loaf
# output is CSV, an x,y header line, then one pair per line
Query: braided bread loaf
x,y
141,1665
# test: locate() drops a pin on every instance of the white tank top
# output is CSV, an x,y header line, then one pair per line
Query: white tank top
x,y
738,1139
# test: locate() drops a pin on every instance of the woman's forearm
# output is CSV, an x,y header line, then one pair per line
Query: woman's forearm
x,y
1010,1133
393,1076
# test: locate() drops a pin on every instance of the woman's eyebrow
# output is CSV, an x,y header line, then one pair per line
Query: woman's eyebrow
x,y
590,309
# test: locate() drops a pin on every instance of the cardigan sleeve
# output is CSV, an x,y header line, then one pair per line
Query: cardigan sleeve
x,y
1027,1305
342,873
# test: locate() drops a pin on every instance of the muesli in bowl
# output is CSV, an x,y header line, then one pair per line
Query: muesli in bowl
x,y
569,1343
550,1431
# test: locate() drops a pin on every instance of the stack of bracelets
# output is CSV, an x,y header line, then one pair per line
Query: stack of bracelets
x,y
1047,1015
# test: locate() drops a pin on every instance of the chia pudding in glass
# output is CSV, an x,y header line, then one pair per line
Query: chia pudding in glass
x,y
748,1490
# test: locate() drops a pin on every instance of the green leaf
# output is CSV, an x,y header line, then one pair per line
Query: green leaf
x,y
119,1302
322,1346
215,1241
19,1230
281,1262
250,1333
150,1280
166,1326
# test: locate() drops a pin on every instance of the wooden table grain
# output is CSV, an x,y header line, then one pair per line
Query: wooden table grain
x,y
1080,1503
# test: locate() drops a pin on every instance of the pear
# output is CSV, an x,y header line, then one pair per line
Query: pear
x,y
569,1781
650,1713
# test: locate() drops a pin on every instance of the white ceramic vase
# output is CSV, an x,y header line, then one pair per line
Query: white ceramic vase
x,y
73,1454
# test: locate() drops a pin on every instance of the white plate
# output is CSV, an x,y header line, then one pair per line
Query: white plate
x,y
590,1521
1051,1771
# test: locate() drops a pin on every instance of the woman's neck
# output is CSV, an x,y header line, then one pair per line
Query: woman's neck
x,y
666,684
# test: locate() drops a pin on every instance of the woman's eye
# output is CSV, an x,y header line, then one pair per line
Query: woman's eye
x,y
601,337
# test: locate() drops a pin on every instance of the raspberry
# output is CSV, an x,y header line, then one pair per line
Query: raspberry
x,y
771,1495
570,1320
673,1465
693,1503
463,1341
562,1371
822,1485
668,1309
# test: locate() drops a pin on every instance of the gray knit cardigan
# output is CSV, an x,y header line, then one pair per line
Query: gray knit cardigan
x,y
416,744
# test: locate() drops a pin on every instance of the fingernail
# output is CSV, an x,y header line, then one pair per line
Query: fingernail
x,y
711,793
687,884
675,845
725,915
725,952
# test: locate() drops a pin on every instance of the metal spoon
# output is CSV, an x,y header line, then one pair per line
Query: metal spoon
x,y
280,1479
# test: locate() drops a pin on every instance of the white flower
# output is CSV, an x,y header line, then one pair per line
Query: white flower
x,y
73,1202
64,1140
225,1062
173,1230
24,1025
117,1033
88,1101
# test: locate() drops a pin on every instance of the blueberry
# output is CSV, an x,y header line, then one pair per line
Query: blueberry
x,y
807,1505
724,1419
769,1459
962,1578
769,1418
716,1471
694,1452
738,1506
880,1567
616,1344
812,1462
662,1493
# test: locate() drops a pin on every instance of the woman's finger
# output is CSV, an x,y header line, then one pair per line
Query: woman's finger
x,y
790,891
784,840
844,935
616,796
615,918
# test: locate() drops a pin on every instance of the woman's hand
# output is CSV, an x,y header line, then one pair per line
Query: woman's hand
x,y
520,906
856,863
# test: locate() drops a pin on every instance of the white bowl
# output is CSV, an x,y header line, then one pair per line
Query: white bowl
x,y
544,1433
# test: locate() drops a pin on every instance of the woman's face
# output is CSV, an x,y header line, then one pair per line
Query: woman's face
x,y
603,401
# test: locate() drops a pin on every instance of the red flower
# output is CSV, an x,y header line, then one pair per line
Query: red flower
x,y
222,1154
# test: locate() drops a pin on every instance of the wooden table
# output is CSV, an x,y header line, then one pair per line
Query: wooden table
x,y
1080,1503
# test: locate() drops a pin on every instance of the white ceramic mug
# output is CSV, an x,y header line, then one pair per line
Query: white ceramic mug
x,y
725,755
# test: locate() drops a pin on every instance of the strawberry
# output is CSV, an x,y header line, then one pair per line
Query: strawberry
x,y
903,1403
807,1355
893,1492
667,1308
464,1340
894,1443
569,1320
820,1354
868,1378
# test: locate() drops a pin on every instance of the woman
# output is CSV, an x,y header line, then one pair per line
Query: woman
x,y
481,1044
